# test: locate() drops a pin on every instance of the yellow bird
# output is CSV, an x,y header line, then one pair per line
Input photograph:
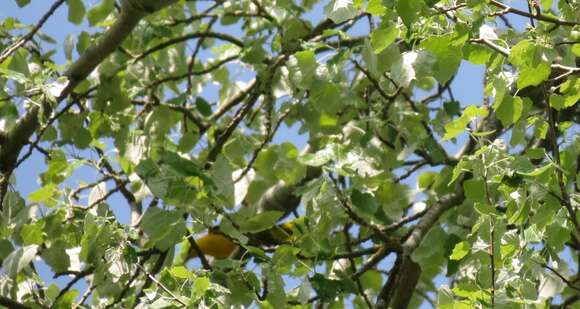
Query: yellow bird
x,y
214,244
220,246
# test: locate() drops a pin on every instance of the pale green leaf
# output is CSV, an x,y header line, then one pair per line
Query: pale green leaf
x,y
260,222
19,259
474,189
99,12
460,251
364,202
382,37
340,10
409,10
22,3
509,110
76,11
376,8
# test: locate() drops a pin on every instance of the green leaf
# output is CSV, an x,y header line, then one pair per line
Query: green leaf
x,y
99,12
326,97
22,3
203,106
509,110
302,67
447,50
571,91
533,235
340,10
164,228
376,8
371,279
384,36
200,286
533,76
456,127
326,289
72,130
529,58
319,158
409,10
485,209
460,251
68,46
83,42
474,189
43,194
151,174
557,101
266,159
255,54
221,173
403,70
5,248
538,171
13,75
260,222
180,164
473,111
234,150
546,3
522,53
445,297
576,50
427,254
32,234
181,272
19,259
76,11
557,236
364,202
66,300
476,54
426,180
20,62
287,167
56,257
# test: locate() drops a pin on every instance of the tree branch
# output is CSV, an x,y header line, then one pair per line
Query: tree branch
x,y
27,37
12,304
546,18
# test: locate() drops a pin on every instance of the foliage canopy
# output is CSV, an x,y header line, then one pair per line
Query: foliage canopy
x,y
169,118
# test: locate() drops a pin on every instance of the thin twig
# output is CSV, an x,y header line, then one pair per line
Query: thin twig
x,y
27,37
394,226
69,285
163,287
265,142
199,252
410,171
223,138
212,67
353,267
541,17
195,35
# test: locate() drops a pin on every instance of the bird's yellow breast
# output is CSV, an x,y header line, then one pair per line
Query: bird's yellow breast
x,y
214,244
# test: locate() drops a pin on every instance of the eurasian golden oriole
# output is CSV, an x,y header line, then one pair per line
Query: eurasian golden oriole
x,y
219,246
